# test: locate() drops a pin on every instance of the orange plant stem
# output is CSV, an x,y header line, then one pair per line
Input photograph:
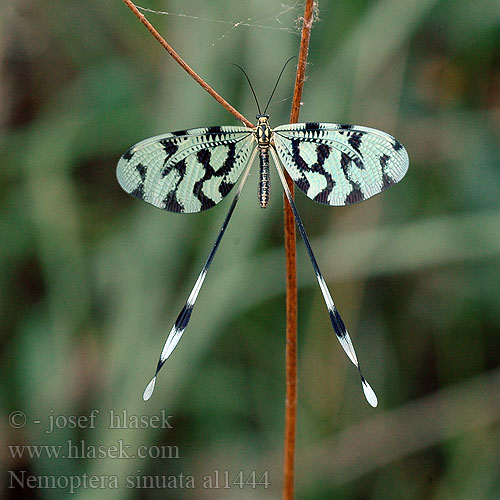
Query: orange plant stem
x,y
291,279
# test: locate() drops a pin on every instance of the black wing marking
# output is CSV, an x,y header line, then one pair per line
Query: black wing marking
x,y
186,171
340,164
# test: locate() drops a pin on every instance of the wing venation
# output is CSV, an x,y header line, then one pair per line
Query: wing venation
x,y
340,164
186,171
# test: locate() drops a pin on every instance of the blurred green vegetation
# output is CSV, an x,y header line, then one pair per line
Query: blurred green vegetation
x,y
92,279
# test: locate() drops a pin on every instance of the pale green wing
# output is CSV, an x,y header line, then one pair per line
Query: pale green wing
x,y
186,171
340,164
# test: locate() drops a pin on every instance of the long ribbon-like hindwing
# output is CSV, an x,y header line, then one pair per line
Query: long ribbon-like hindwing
x,y
337,323
183,319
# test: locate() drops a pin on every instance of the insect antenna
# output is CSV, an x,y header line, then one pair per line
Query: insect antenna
x,y
251,88
276,84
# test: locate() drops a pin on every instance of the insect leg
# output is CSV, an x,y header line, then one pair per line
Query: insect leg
x,y
337,323
184,316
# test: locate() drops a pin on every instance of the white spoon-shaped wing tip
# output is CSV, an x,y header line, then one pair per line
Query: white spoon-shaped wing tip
x,y
151,387
370,395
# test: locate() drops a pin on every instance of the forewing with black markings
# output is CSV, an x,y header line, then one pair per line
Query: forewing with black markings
x,y
186,171
340,164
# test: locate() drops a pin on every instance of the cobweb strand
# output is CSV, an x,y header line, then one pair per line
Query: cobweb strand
x,y
252,22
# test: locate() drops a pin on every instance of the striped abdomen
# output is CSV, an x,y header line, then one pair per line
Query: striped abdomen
x,y
265,181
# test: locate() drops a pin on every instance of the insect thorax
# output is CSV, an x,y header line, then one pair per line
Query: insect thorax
x,y
263,132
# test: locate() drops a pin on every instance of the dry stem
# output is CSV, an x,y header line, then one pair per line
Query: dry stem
x,y
291,278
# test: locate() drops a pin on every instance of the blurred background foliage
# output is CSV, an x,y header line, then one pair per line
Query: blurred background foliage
x,y
92,279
